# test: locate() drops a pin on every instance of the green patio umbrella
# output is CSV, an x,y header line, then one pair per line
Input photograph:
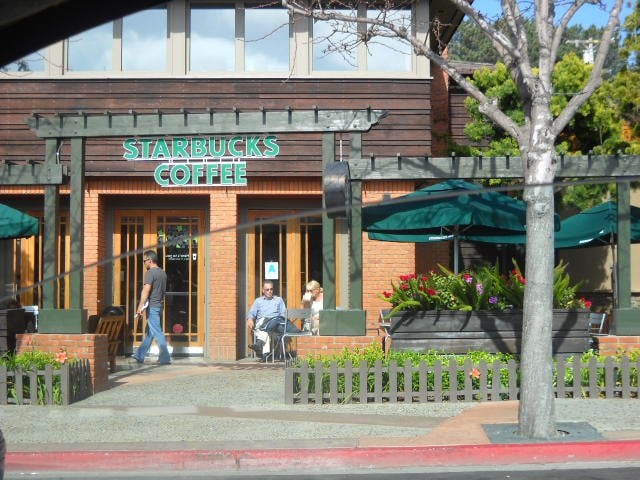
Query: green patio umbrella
x,y
596,226
15,224
445,211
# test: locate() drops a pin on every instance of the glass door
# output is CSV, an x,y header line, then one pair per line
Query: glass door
x,y
285,251
175,234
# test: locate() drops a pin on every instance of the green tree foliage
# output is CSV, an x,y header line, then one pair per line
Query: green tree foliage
x,y
598,126
631,45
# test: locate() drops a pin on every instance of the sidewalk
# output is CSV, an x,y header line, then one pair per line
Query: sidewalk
x,y
231,416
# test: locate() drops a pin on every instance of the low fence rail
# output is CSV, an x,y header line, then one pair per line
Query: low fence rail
x,y
452,382
70,383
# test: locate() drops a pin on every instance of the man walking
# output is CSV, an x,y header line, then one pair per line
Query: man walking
x,y
152,297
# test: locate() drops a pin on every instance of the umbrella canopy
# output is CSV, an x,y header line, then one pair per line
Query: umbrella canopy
x,y
445,211
15,224
596,226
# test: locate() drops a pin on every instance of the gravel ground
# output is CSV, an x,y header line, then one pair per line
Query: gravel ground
x,y
233,405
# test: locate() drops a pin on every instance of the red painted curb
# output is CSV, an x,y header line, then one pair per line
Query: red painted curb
x,y
280,459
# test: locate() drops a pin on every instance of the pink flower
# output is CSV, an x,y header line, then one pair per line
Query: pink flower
x,y
586,303
474,373
431,292
467,278
387,294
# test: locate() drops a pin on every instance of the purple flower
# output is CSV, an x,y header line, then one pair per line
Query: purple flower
x,y
493,300
479,288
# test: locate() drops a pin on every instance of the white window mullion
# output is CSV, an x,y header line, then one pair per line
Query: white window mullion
x,y
421,64
177,28
55,59
117,45
239,44
362,47
301,45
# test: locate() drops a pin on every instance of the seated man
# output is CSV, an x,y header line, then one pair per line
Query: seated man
x,y
266,315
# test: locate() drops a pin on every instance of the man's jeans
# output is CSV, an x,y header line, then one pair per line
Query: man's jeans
x,y
154,330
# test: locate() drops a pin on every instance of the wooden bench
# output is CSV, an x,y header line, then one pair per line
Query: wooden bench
x,y
112,327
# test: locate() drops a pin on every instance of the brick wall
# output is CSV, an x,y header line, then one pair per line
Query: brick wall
x,y
328,345
612,344
383,261
91,347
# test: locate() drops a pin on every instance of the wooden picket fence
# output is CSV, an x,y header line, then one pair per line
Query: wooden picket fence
x,y
70,383
453,382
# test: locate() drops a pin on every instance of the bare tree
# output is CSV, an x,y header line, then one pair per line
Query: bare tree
x,y
535,136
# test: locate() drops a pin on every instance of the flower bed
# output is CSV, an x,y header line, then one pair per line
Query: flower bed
x,y
481,289
479,310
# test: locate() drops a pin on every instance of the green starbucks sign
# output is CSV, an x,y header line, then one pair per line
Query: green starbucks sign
x,y
201,161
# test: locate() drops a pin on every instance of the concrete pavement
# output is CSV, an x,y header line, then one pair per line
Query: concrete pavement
x,y
197,414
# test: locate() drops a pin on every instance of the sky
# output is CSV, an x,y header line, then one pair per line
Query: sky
x,y
586,16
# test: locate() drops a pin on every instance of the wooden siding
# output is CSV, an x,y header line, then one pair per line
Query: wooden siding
x,y
406,130
458,115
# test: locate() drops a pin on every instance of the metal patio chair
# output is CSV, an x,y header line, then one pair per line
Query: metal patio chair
x,y
293,314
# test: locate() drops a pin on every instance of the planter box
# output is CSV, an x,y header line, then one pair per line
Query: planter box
x,y
459,332
343,323
62,321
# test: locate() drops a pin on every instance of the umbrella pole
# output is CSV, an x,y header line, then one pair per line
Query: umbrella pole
x,y
456,246
614,275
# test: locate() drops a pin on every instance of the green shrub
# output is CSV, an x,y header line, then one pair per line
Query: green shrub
x,y
477,360
27,361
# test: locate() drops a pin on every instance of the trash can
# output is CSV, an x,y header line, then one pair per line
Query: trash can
x,y
11,322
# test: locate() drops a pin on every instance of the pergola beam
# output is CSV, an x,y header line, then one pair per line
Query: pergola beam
x,y
417,168
135,124
33,174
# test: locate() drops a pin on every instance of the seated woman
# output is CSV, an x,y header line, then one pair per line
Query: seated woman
x,y
312,299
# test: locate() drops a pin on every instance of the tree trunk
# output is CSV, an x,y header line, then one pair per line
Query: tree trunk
x,y
536,409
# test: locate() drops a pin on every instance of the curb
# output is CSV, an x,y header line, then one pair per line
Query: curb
x,y
322,458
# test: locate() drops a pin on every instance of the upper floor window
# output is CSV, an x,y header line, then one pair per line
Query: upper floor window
x,y
228,37
333,45
137,42
266,39
144,41
33,62
389,54
212,40
91,51
336,46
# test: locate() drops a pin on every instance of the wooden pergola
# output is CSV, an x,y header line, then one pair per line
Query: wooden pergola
x,y
78,127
